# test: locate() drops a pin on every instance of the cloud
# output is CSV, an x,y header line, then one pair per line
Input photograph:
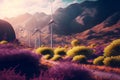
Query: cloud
x,y
57,4
11,8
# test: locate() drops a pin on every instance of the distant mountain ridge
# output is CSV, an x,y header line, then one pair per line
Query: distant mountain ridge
x,y
79,17
101,34
75,18
89,19
30,22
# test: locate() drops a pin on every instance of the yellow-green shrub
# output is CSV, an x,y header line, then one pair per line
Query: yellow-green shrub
x,y
47,56
3,42
66,46
112,61
80,59
79,50
60,51
74,42
107,61
44,51
56,57
92,45
98,60
113,49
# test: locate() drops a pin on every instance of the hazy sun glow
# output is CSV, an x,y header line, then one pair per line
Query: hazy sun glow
x,y
11,8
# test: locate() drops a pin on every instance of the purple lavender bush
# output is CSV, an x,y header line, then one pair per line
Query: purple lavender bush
x,y
7,46
99,51
23,61
67,71
10,75
68,59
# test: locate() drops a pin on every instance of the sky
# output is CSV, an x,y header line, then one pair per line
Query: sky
x,y
12,8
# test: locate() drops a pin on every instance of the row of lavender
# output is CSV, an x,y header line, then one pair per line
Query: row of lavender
x,y
17,63
93,54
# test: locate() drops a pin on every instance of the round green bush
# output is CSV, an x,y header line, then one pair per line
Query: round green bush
x,y
47,56
98,60
3,42
6,31
60,51
112,61
66,46
113,49
56,58
80,50
44,51
80,59
107,61
74,42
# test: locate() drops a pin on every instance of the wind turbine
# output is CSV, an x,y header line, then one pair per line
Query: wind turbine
x,y
21,30
39,39
29,38
50,23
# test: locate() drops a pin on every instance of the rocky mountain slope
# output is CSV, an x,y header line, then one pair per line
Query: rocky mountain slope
x,y
80,17
75,18
102,33
29,22
86,21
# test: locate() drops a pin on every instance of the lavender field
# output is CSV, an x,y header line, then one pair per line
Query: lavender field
x,y
45,63
59,40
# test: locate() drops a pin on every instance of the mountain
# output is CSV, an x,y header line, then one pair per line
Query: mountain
x,y
86,21
82,16
75,18
104,32
29,22
101,34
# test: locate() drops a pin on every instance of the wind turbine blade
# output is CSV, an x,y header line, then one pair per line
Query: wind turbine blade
x,y
34,33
